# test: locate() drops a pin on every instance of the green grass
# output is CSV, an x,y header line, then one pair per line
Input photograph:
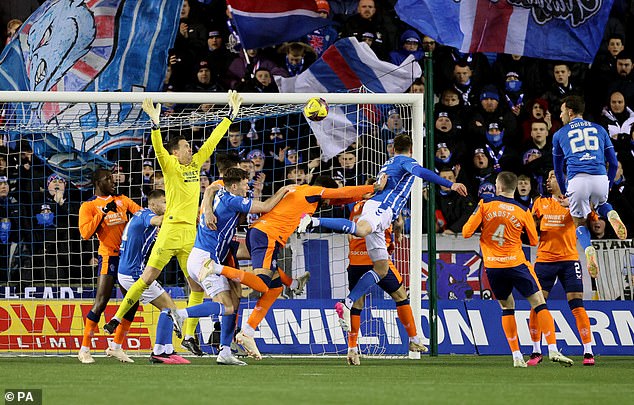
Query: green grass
x,y
445,379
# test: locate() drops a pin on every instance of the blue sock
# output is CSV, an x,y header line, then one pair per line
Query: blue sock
x,y
227,327
164,329
207,308
583,236
603,209
364,285
340,225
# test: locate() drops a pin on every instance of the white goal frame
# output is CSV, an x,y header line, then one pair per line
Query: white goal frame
x,y
415,100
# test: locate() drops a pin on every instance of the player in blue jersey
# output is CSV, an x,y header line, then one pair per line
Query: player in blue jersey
x,y
136,244
583,149
378,214
212,247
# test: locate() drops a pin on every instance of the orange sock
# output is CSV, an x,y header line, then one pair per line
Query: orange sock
x,y
263,305
122,331
533,327
284,278
246,278
407,319
510,330
547,325
583,324
89,331
353,334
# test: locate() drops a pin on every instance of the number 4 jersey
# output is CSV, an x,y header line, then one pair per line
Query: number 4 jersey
x,y
503,221
582,145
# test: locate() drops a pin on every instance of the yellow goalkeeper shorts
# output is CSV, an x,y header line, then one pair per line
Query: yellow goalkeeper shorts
x,y
173,240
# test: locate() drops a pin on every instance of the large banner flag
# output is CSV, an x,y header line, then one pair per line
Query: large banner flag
x,y
346,66
265,23
566,30
87,45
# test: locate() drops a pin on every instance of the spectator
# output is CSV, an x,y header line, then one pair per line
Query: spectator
x,y
241,70
262,82
514,92
192,35
490,111
368,20
481,171
410,45
502,154
352,175
322,38
418,86
203,81
598,229
524,67
296,174
297,58
562,87
462,83
537,155
524,193
393,126
601,73
537,111
12,219
218,56
234,143
617,118
623,80
455,208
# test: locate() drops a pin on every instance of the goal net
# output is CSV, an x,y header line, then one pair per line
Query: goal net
x,y
51,143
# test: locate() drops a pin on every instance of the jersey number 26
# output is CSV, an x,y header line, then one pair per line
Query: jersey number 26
x,y
583,139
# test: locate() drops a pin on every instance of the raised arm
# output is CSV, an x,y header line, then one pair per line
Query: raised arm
x,y
235,101
154,112
428,175
346,195
266,206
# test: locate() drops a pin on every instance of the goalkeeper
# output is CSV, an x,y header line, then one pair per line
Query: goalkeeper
x,y
182,190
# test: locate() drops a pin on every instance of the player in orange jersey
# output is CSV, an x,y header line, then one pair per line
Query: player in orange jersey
x,y
360,263
557,258
503,220
268,235
105,215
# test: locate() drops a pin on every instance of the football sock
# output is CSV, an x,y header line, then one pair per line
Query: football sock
x,y
195,298
363,286
244,277
355,324
583,236
286,280
164,329
121,333
131,298
340,225
604,209
206,309
510,329
536,332
583,323
546,324
89,330
404,311
263,305
227,327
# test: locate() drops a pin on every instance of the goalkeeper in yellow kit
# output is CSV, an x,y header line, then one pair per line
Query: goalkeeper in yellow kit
x,y
182,191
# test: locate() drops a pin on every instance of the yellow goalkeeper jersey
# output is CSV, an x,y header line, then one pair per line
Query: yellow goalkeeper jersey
x,y
182,182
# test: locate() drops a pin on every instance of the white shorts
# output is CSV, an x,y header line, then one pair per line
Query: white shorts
x,y
379,219
153,291
585,192
213,284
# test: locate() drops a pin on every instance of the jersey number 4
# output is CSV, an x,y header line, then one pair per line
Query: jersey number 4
x,y
498,235
583,139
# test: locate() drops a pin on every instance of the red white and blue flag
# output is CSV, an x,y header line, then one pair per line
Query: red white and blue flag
x,y
265,23
565,30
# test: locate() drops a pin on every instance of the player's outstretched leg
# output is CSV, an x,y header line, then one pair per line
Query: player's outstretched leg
x,y
617,225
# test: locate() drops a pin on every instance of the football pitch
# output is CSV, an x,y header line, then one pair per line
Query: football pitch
x,y
298,380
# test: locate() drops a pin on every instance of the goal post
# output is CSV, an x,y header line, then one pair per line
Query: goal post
x,y
205,110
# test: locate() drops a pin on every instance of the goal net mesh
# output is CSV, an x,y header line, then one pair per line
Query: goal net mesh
x,y
48,273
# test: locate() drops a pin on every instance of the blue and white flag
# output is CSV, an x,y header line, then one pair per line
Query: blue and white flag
x,y
87,45
265,23
565,30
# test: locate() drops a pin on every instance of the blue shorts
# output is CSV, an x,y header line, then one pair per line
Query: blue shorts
x,y
390,283
263,250
568,273
108,265
502,281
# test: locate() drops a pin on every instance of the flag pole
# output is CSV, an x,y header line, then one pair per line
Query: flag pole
x,y
431,205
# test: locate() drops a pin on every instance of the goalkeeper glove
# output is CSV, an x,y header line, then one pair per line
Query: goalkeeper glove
x,y
154,112
235,101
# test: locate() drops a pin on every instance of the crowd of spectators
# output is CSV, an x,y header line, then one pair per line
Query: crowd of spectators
x,y
494,112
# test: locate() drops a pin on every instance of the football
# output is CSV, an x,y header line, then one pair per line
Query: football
x,y
316,109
